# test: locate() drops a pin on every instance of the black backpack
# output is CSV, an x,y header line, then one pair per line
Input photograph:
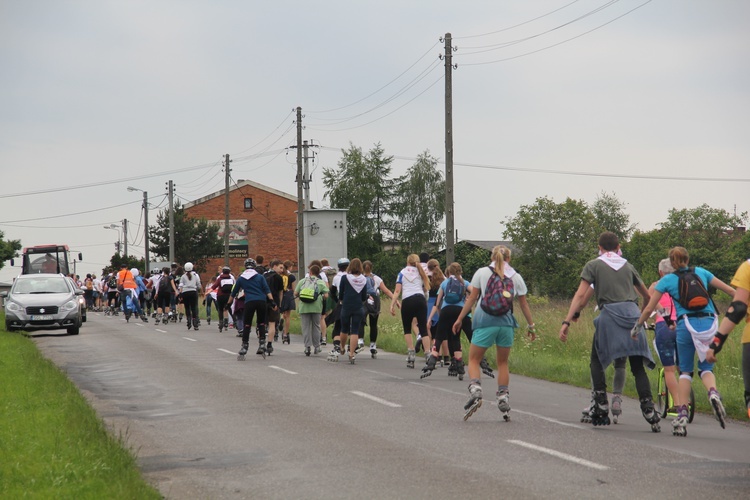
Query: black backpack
x,y
112,283
693,296
164,284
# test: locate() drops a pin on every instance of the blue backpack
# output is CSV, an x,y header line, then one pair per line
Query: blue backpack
x,y
455,291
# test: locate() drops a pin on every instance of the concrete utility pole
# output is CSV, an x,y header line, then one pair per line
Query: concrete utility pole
x,y
125,235
145,233
300,207
226,209
171,222
450,254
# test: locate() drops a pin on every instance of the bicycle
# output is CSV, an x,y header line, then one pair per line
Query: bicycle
x,y
664,404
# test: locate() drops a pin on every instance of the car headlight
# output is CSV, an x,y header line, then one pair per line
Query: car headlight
x,y
70,305
12,306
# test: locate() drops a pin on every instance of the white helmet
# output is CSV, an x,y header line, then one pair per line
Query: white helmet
x,y
134,272
188,266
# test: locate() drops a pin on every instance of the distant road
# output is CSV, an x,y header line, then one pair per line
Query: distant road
x,y
208,426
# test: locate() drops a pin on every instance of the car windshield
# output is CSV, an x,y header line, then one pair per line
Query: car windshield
x,y
52,284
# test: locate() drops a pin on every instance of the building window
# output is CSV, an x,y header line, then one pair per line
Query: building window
x,y
248,203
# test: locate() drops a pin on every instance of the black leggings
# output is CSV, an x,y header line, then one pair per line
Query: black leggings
x,y
221,305
251,309
414,307
373,320
190,299
642,384
444,330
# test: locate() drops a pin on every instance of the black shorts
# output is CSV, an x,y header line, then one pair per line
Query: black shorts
x,y
272,315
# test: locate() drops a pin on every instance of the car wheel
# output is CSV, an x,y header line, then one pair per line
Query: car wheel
x,y
8,327
74,330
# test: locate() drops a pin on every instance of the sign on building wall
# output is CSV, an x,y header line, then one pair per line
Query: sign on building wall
x,y
237,238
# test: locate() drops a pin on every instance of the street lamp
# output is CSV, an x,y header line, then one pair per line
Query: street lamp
x,y
116,227
145,226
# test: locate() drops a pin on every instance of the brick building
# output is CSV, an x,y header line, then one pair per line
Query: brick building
x,y
262,220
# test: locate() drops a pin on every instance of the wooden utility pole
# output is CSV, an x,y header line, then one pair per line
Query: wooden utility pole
x,y
226,209
449,212
300,203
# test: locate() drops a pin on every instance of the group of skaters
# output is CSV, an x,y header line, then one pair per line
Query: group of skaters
x,y
686,325
437,305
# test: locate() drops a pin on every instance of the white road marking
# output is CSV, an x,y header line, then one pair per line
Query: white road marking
x,y
564,456
161,331
139,324
283,370
228,352
188,338
384,374
376,399
554,421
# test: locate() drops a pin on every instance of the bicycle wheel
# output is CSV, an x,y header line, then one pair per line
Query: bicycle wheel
x,y
691,406
662,395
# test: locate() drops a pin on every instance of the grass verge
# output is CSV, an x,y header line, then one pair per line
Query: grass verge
x,y
52,443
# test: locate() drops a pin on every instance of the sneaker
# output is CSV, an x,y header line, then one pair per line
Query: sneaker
x,y
307,351
317,350
360,347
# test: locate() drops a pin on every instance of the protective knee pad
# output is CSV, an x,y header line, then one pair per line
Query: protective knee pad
x,y
687,376
736,312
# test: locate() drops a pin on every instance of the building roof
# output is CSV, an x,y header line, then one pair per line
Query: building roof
x,y
490,244
240,184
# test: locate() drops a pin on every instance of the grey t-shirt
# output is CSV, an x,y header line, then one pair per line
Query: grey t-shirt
x,y
611,286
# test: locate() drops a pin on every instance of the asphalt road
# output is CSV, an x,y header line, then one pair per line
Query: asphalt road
x,y
205,425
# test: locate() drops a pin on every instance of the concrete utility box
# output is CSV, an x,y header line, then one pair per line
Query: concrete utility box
x,y
325,235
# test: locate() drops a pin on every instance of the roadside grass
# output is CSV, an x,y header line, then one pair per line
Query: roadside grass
x,y
52,443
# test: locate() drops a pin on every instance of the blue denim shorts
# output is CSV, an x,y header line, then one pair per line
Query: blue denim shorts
x,y
666,344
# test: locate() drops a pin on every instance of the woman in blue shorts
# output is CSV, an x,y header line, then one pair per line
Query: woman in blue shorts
x,y
692,327
492,330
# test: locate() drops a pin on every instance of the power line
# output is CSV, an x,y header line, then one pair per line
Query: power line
x,y
516,25
502,45
384,116
563,172
559,43
104,183
70,215
421,76
381,88
58,227
266,137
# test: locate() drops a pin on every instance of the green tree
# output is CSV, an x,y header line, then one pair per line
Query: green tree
x,y
195,239
555,241
419,205
610,213
8,249
361,184
708,234
644,250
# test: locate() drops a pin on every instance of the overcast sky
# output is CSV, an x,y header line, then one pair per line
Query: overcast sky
x,y
103,94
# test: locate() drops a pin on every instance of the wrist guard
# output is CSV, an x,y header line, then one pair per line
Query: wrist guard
x,y
718,342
